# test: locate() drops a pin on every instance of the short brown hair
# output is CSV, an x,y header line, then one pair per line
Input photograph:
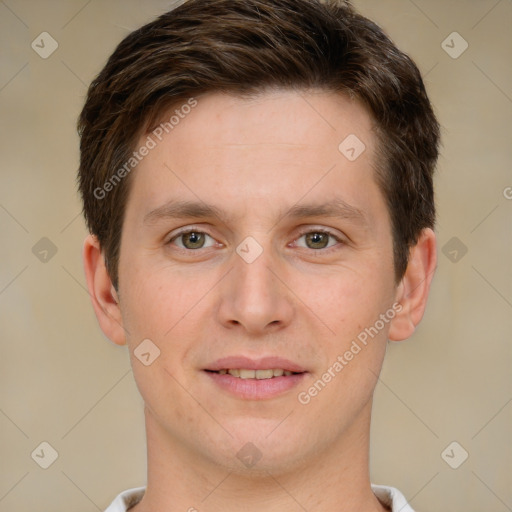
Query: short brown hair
x,y
244,47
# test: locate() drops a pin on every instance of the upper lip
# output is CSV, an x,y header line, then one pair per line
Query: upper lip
x,y
264,363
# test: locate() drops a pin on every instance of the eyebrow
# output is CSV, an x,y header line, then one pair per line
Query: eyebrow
x,y
336,208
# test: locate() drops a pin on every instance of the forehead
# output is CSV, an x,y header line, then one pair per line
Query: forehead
x,y
277,146
281,116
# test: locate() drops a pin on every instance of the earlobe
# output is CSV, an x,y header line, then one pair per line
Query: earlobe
x,y
413,290
105,300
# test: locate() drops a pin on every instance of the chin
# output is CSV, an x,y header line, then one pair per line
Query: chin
x,y
262,446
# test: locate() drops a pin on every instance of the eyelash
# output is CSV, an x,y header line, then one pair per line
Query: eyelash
x,y
302,233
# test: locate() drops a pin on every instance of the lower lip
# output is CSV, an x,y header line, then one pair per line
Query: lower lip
x,y
256,389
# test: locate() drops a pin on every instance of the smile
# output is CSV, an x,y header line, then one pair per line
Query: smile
x,y
243,373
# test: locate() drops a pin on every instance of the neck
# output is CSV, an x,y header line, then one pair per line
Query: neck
x,y
180,479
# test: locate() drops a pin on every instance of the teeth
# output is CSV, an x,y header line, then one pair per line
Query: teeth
x,y
264,374
243,373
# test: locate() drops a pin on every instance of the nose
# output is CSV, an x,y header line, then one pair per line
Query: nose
x,y
254,295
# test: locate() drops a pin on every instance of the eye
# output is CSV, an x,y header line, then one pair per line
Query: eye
x,y
319,239
192,240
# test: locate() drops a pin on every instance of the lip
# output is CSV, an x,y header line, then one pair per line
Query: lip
x,y
255,389
264,363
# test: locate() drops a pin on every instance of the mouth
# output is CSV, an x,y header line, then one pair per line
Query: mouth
x,y
245,373
250,379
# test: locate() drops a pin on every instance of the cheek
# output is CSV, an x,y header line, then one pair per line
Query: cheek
x,y
348,300
158,300
350,304
160,311
353,351
169,309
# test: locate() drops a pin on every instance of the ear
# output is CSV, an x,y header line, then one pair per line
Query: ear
x,y
412,292
103,295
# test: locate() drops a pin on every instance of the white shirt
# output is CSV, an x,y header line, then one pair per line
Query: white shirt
x,y
388,496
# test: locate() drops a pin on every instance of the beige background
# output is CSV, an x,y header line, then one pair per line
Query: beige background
x,y
64,383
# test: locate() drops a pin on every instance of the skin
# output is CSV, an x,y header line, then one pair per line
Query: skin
x,y
255,159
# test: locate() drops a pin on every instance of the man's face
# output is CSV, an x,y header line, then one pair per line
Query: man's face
x,y
262,278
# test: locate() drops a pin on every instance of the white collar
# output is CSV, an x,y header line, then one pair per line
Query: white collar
x,y
388,496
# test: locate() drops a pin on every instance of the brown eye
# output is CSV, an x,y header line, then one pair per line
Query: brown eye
x,y
192,240
317,240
